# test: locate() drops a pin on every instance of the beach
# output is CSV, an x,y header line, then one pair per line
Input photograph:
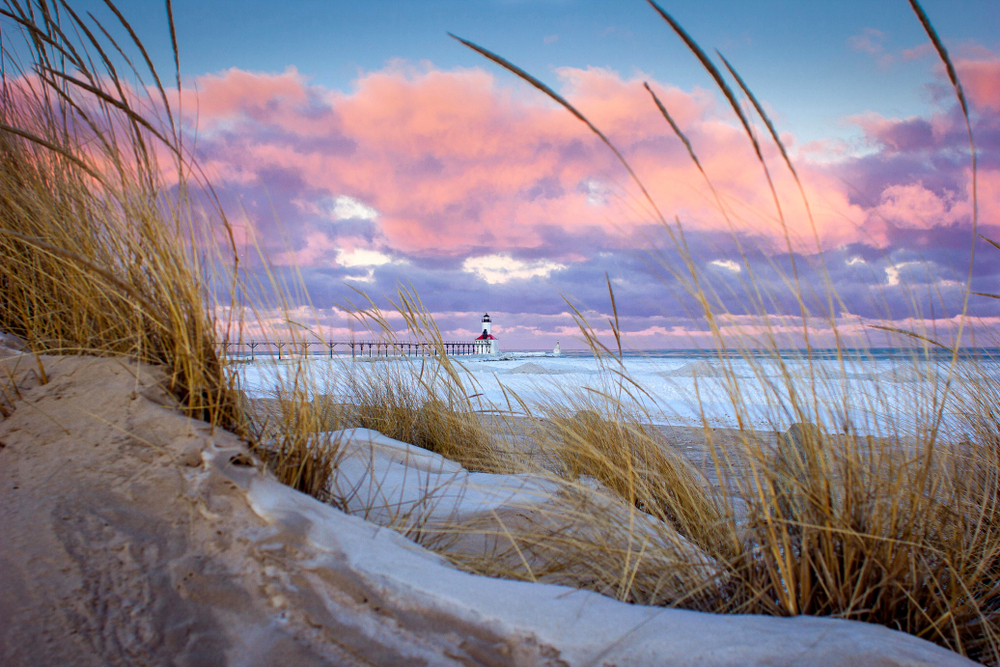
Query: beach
x,y
413,334
134,533
875,391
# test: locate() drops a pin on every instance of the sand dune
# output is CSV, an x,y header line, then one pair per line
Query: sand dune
x,y
135,535
473,514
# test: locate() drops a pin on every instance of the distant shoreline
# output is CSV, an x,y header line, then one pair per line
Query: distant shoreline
x,y
816,354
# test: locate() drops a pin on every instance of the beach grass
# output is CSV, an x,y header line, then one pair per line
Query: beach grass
x,y
112,241
98,257
894,527
101,253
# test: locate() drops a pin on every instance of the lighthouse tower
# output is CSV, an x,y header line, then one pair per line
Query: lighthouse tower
x,y
487,342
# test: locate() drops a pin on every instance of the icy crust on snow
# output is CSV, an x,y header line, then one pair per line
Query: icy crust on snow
x,y
560,625
393,483
476,515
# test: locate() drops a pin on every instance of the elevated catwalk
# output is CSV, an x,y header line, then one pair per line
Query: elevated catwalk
x,y
358,348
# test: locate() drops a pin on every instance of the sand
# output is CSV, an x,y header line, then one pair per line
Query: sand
x,y
118,548
133,535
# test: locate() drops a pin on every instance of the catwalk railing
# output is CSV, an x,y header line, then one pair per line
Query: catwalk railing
x,y
358,348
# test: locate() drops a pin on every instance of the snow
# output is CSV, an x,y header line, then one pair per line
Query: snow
x,y
380,482
531,368
873,395
393,483
544,620
696,369
474,514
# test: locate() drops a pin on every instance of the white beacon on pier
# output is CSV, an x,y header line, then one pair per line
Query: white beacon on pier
x,y
487,342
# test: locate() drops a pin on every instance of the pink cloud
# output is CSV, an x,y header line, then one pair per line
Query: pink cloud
x,y
453,160
916,206
895,134
981,82
236,92
869,41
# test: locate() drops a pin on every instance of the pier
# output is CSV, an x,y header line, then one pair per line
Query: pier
x,y
358,348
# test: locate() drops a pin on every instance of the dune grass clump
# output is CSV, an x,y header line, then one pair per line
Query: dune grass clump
x,y
628,456
896,525
98,254
293,432
396,403
428,401
112,242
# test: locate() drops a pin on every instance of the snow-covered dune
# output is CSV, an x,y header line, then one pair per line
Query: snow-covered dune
x,y
133,534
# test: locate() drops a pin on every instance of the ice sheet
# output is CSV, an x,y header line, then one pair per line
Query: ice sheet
x,y
869,395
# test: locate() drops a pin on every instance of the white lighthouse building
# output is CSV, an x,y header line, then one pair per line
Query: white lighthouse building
x,y
487,342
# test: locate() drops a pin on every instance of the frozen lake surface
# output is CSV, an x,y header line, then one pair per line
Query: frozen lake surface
x,y
868,391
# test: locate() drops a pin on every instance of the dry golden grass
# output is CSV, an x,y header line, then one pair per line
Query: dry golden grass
x,y
99,256
292,435
631,459
896,529
428,401
100,253
394,402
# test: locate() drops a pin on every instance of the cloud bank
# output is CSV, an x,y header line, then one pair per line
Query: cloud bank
x,y
482,195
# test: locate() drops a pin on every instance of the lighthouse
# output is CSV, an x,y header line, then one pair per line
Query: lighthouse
x,y
487,342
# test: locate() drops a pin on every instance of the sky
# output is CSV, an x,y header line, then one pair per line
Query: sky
x,y
364,146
